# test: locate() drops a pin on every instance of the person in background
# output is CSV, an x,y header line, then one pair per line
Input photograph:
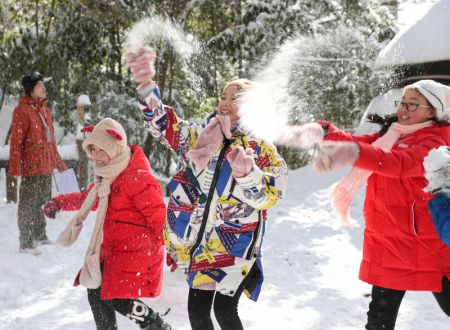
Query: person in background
x,y
33,157
402,250
124,259
218,206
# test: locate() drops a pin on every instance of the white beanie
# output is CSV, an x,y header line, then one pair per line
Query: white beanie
x,y
437,94
108,135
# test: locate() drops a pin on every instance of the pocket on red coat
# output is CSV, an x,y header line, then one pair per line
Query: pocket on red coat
x,y
127,230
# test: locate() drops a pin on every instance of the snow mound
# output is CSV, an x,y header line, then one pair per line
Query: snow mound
x,y
437,168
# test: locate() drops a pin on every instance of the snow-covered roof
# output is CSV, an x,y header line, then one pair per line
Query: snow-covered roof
x,y
426,40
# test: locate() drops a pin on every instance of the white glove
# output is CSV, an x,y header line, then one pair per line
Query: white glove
x,y
304,136
334,155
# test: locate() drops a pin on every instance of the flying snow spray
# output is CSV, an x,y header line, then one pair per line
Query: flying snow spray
x,y
156,31
288,88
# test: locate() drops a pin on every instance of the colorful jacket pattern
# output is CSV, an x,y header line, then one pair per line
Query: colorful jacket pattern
x,y
229,212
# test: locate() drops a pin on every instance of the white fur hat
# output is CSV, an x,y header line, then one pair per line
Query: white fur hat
x,y
108,135
436,93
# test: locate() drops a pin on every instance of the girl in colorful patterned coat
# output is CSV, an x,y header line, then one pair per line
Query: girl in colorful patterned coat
x,y
219,200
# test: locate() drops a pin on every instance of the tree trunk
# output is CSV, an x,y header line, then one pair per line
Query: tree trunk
x,y
8,135
2,99
119,62
239,45
36,21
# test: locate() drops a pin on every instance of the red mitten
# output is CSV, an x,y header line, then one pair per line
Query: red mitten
x,y
241,161
142,66
171,263
50,208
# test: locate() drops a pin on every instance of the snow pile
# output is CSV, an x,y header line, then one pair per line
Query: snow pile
x,y
68,151
437,169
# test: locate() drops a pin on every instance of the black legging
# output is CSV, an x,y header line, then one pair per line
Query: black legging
x,y
225,307
105,317
383,309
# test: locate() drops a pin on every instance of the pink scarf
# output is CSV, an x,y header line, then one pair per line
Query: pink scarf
x,y
344,191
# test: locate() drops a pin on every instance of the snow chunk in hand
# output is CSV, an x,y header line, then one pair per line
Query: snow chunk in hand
x,y
437,169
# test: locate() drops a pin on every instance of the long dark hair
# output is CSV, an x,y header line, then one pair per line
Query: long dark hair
x,y
386,121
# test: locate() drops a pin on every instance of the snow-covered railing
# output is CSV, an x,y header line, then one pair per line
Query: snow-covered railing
x,y
69,153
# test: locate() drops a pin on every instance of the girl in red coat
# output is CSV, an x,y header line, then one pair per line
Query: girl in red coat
x,y
402,250
125,254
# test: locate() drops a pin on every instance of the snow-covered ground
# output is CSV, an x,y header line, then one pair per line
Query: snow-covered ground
x,y
311,273
311,267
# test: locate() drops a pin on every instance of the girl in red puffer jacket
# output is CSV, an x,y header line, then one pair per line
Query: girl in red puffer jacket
x,y
402,250
125,254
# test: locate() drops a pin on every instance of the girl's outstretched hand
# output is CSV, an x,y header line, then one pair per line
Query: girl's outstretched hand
x,y
335,155
303,136
142,66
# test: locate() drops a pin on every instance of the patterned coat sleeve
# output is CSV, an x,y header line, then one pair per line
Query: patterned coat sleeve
x,y
266,184
164,124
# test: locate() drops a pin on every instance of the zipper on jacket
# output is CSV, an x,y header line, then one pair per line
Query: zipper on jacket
x,y
233,184
413,220
209,199
255,238
130,223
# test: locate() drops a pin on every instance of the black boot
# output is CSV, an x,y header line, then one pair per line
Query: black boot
x,y
155,322
144,315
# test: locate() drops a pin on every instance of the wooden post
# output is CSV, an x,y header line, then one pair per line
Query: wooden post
x,y
11,187
82,169
11,182
80,114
